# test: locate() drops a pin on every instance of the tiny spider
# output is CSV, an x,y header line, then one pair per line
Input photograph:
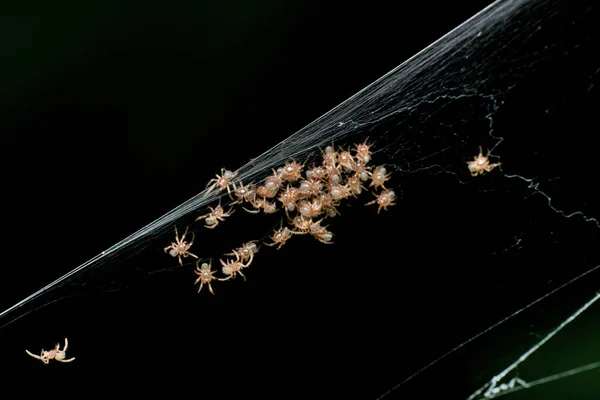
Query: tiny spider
x,y
222,181
243,193
310,187
246,251
385,199
288,199
302,225
330,156
362,171
379,177
316,172
329,205
180,247
346,161
362,152
310,209
214,216
280,236
271,185
355,184
320,232
291,171
56,354
481,164
231,267
205,275
339,192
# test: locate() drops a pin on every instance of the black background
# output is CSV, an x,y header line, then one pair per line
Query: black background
x,y
112,114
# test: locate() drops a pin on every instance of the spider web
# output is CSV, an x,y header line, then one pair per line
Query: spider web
x,y
425,119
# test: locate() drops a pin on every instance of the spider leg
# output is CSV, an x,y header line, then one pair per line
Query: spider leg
x,y
320,239
66,361
243,276
210,288
210,189
34,355
184,233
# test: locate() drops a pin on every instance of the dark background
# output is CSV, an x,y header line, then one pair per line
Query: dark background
x,y
112,114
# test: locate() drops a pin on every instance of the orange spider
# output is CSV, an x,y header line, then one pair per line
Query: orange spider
x,y
362,152
56,354
346,161
222,181
385,199
288,199
231,267
481,164
291,171
180,247
214,216
246,251
280,236
205,275
320,232
243,193
355,185
379,177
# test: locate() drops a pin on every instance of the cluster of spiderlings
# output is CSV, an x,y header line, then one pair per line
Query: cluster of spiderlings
x,y
312,195
307,195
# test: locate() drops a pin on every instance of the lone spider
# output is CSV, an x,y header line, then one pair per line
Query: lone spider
x,y
180,247
56,354
222,181
205,275
481,164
